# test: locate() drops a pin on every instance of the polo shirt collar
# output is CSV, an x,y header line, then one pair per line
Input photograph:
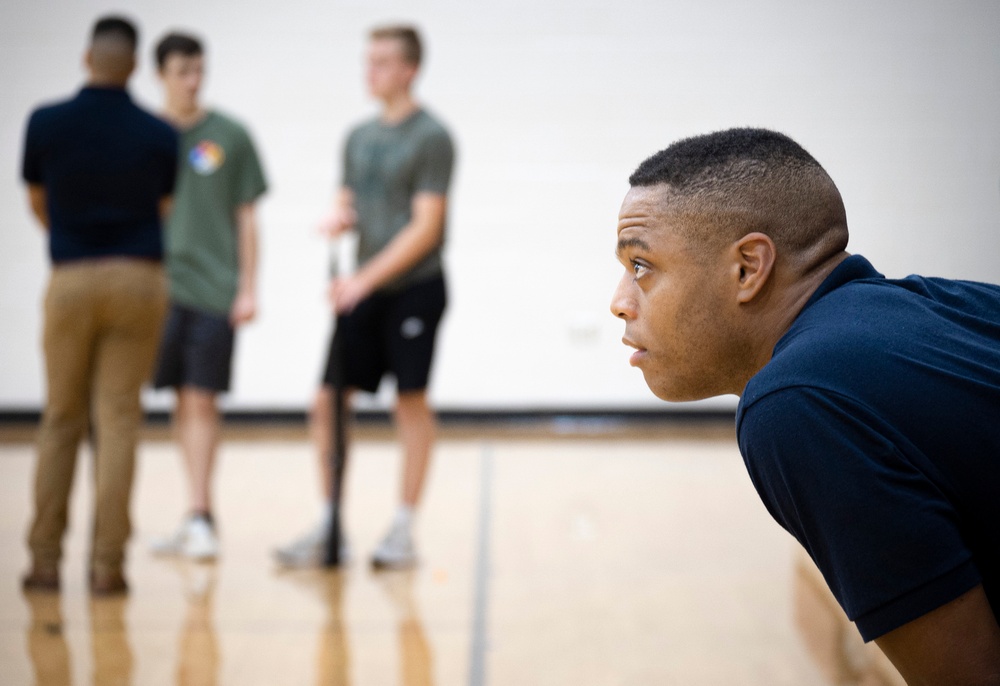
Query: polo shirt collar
x,y
851,269
104,90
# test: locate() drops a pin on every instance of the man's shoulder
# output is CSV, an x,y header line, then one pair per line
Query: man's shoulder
x,y
832,343
54,109
53,106
73,111
429,126
225,118
157,124
422,125
883,329
229,124
364,128
431,122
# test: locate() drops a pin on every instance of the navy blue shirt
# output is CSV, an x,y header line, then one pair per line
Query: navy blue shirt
x,y
105,164
873,437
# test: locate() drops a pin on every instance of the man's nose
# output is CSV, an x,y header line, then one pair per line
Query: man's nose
x,y
622,303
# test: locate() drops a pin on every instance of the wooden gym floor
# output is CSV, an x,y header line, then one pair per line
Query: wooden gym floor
x,y
574,553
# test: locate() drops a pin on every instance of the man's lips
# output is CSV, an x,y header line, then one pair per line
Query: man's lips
x,y
639,353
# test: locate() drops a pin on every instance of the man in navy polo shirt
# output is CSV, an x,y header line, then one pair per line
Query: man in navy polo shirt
x,y
869,415
100,172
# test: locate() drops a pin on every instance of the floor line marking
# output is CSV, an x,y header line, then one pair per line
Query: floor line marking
x,y
477,659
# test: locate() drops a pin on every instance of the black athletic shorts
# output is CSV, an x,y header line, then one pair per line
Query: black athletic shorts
x,y
196,350
388,332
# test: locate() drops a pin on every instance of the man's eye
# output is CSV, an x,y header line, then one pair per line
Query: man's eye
x,y
638,268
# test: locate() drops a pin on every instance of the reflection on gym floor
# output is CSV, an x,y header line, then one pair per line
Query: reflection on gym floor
x,y
333,655
45,641
197,645
112,659
606,560
198,655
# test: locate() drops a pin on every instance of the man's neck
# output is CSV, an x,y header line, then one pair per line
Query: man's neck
x,y
183,116
397,108
103,81
792,292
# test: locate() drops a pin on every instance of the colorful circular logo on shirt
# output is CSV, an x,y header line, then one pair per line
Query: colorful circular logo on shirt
x,y
206,157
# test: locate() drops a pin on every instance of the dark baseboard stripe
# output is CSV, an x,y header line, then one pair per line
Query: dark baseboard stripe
x,y
567,416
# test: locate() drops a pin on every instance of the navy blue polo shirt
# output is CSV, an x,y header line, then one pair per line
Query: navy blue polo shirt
x,y
873,437
105,164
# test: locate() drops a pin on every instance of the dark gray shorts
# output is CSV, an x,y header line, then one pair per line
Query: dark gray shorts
x,y
196,350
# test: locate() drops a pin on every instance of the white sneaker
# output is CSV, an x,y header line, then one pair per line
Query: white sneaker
x,y
172,544
201,542
194,539
396,551
310,549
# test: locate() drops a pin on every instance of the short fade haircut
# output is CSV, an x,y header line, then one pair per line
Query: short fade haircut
x,y
408,38
180,43
744,180
116,27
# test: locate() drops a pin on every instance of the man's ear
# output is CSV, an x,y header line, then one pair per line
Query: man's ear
x,y
412,76
754,256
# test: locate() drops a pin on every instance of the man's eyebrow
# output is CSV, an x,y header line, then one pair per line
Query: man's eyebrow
x,y
632,243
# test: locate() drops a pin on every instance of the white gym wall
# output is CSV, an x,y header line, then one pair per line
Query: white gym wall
x,y
552,105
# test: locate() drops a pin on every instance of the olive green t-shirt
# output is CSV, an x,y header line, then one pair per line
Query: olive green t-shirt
x,y
385,166
218,170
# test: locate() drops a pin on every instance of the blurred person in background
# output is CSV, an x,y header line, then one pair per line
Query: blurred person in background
x,y
100,173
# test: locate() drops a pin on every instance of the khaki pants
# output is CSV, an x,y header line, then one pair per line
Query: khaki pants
x,y
102,327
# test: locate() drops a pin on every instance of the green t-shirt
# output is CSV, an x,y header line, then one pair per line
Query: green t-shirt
x,y
385,166
218,170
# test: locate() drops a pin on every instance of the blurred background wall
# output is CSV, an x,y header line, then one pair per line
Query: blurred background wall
x,y
552,104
